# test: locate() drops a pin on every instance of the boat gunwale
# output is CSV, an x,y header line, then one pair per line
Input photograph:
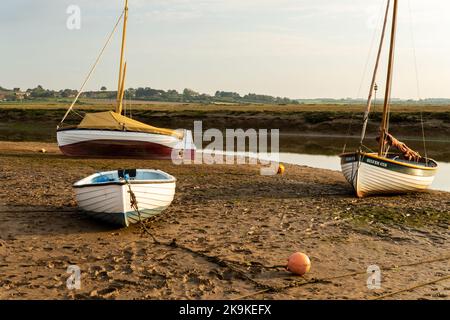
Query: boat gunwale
x,y
75,127
168,179
123,182
375,156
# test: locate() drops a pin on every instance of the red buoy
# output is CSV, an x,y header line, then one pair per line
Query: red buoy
x,y
298,263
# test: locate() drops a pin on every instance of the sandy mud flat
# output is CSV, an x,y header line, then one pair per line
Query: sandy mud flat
x,y
226,235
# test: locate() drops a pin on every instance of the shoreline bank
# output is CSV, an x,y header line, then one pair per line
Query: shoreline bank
x,y
307,122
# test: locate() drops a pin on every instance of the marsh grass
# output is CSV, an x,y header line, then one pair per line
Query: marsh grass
x,y
96,104
367,215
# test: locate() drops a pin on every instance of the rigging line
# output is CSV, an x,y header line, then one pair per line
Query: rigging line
x,y
387,123
420,285
361,82
372,44
388,92
370,150
348,131
130,102
416,68
374,75
375,98
93,67
124,103
78,114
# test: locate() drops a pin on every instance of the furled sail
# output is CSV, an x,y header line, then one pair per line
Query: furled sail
x,y
407,152
110,120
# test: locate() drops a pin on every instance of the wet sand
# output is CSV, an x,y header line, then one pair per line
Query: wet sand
x,y
222,238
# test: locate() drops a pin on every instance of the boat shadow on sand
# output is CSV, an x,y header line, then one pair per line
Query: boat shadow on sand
x,y
49,220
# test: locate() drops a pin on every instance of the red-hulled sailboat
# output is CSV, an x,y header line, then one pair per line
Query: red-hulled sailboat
x,y
112,134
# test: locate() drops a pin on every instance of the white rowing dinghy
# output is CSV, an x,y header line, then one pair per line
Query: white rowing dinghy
x,y
106,195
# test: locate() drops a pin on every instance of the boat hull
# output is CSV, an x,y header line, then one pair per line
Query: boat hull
x,y
370,175
112,203
124,144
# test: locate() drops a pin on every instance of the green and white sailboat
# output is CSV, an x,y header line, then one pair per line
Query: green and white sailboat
x,y
386,172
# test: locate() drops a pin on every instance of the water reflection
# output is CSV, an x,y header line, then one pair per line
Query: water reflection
x,y
441,181
320,152
326,145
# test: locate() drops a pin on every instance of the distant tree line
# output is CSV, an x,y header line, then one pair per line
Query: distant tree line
x,y
36,93
188,95
148,94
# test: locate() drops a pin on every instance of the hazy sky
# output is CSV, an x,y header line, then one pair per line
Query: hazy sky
x,y
293,48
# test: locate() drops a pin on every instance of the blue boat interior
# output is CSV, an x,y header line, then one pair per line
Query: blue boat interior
x,y
425,162
129,174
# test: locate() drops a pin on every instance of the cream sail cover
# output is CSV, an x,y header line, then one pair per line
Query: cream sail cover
x,y
110,120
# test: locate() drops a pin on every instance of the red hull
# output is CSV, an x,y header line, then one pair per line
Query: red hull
x,y
122,149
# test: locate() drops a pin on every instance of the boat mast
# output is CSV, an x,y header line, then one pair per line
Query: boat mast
x,y
387,94
122,89
374,76
121,86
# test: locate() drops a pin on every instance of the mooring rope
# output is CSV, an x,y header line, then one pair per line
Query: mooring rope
x,y
329,279
420,285
134,205
173,244
266,287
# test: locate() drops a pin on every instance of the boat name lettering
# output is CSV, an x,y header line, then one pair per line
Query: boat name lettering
x,y
377,163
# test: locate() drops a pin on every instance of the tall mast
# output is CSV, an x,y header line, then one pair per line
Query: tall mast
x,y
387,94
374,76
121,85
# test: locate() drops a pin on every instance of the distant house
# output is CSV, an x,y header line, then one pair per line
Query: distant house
x,y
21,95
2,97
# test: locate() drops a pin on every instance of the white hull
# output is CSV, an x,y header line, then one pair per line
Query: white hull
x,y
112,202
68,137
124,144
370,179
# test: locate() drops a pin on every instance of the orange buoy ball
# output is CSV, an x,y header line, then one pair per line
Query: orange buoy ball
x,y
281,168
298,263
